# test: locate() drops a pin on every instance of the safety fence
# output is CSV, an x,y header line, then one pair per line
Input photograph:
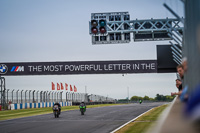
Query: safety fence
x,y
18,99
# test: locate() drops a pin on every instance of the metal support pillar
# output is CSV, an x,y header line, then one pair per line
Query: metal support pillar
x,y
61,96
41,96
29,96
37,96
3,90
12,95
49,96
73,97
33,96
7,95
25,96
52,96
191,47
21,96
66,96
17,96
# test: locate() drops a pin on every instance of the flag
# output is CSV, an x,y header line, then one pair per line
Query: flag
x,y
62,88
52,86
58,86
71,88
66,86
75,89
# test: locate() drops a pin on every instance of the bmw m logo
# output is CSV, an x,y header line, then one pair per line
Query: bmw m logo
x,y
17,69
3,69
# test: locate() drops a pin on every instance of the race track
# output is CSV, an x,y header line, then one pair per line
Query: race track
x,y
95,120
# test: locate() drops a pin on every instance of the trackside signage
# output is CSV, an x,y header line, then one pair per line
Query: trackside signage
x,y
79,67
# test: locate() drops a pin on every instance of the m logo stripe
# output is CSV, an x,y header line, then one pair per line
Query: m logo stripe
x,y
16,68
13,68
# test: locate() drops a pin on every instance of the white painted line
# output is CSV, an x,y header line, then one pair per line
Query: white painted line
x,y
131,121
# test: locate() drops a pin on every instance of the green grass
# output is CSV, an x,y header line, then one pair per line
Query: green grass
x,y
143,123
138,127
11,114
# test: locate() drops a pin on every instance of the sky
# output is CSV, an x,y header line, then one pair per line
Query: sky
x,y
58,30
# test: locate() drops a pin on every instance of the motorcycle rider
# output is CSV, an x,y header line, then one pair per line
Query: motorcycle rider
x,y
83,104
82,107
59,107
140,101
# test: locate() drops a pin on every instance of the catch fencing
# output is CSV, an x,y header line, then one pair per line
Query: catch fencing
x,y
36,96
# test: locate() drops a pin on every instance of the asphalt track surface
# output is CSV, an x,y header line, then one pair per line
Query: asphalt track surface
x,y
95,120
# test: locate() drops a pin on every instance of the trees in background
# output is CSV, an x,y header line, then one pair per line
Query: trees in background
x,y
136,98
163,98
157,98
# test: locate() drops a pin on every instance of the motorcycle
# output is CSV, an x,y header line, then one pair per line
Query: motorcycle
x,y
140,101
56,111
82,108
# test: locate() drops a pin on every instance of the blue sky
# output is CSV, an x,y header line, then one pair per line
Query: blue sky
x,y
58,30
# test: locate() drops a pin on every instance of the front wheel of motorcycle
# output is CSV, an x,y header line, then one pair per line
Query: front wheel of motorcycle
x,y
82,113
55,114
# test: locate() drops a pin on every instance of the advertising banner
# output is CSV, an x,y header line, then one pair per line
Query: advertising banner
x,y
78,67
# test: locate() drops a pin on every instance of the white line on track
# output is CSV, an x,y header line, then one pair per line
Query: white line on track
x,y
130,121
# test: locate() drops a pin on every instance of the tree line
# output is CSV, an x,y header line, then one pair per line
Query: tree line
x,y
158,97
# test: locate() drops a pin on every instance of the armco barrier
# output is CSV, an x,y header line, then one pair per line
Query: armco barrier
x,y
37,105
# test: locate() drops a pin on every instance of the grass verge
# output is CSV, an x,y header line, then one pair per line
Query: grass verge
x,y
143,123
12,114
